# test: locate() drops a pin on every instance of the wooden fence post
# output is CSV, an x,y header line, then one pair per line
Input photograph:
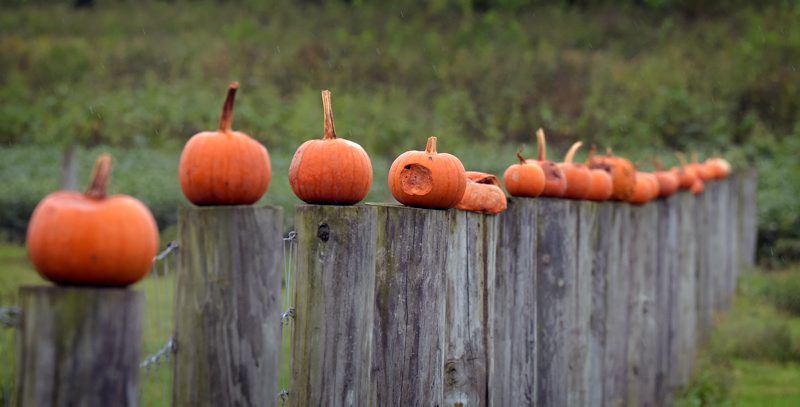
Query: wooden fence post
x,y
512,311
409,326
604,241
667,313
469,281
686,298
748,216
227,306
587,383
79,346
617,289
555,301
703,232
335,302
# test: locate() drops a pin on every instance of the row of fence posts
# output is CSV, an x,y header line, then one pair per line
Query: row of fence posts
x,y
553,302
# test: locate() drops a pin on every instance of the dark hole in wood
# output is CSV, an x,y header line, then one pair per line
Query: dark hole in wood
x,y
324,232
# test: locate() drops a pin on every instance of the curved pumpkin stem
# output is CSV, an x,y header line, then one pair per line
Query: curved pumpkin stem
x,y
571,152
681,158
430,148
657,164
100,175
226,119
541,144
327,111
519,155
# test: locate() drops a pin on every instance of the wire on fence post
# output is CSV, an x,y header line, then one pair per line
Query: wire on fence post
x,y
287,316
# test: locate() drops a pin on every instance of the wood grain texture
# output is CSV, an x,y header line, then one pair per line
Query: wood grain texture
x,y
605,255
617,291
409,327
748,209
667,314
227,309
79,346
469,281
334,302
585,342
555,301
703,228
686,297
512,307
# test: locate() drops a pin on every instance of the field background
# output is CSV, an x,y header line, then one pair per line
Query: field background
x,y
646,77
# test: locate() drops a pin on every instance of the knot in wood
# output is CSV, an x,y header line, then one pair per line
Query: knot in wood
x,y
546,259
324,232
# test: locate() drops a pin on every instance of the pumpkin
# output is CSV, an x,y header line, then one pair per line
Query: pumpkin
x,y
720,167
601,187
91,238
483,194
705,172
645,189
332,170
578,176
525,179
668,181
686,173
698,186
555,183
224,167
427,179
623,174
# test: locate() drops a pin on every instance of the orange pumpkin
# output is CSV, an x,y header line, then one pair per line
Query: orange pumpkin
x,y
555,183
224,167
686,173
332,170
668,181
720,167
601,186
623,174
578,176
91,238
698,186
525,179
645,189
483,194
703,171
427,179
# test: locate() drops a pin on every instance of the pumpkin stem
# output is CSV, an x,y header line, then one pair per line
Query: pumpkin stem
x,y
226,119
327,111
519,155
541,144
657,164
571,152
681,158
100,174
592,152
430,148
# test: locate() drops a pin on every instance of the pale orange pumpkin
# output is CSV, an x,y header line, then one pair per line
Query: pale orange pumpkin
x,y
91,238
224,167
332,170
483,194
555,183
645,189
668,181
602,187
427,179
579,177
622,171
720,167
525,179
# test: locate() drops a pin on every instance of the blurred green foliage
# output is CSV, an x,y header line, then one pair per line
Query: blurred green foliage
x,y
643,76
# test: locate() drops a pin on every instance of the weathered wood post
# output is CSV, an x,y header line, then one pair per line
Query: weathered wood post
x,y
586,383
512,339
469,283
617,288
703,230
79,346
409,327
555,301
748,216
227,306
686,297
335,303
667,314
604,240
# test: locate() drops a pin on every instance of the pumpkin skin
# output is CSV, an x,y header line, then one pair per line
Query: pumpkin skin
x,y
427,179
483,194
555,182
622,171
720,167
525,179
668,181
601,187
224,167
705,172
578,176
698,186
92,239
645,189
332,170
686,173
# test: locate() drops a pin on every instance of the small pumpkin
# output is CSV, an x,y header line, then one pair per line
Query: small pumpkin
x,y
705,172
622,171
483,194
555,182
645,189
686,173
668,181
91,238
698,186
224,167
720,167
525,179
578,175
332,170
427,179
601,186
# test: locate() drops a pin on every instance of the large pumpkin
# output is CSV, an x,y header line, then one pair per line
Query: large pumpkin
x,y
578,176
525,179
91,238
427,179
623,174
224,167
555,183
483,194
332,170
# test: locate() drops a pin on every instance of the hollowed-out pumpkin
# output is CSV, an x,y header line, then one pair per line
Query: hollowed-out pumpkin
x,y
332,170
555,183
427,179
623,174
483,194
525,179
578,175
224,167
91,238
